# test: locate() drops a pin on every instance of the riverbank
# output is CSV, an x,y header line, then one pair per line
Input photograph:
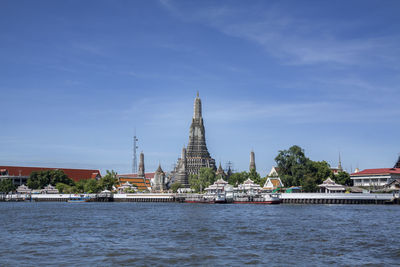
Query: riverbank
x,y
286,198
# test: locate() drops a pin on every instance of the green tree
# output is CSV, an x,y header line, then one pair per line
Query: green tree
x,y
319,171
108,180
38,180
7,185
255,177
295,169
205,178
175,187
92,186
292,165
237,178
343,178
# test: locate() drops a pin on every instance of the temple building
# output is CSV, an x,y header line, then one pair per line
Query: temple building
x,y
181,174
140,180
197,155
158,182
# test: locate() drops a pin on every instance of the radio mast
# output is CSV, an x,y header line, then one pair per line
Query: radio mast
x,y
135,147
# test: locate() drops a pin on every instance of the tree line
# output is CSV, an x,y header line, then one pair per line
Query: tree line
x,y
64,184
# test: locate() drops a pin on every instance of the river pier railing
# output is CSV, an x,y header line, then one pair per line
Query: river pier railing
x,y
339,198
286,198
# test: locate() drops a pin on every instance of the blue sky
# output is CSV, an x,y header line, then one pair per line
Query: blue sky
x,y
77,77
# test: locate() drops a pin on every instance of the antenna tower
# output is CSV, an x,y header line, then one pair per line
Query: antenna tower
x,y
135,147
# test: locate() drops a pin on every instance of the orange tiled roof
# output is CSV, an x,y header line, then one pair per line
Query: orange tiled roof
x,y
75,174
142,184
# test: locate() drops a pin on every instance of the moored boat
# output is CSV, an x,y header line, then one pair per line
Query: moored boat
x,y
78,199
265,198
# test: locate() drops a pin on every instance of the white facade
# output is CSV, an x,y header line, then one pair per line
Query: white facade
x,y
374,180
273,183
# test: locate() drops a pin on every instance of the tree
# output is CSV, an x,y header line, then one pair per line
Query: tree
x,y
205,178
237,178
295,169
255,177
175,187
92,186
7,185
38,180
108,180
292,165
343,178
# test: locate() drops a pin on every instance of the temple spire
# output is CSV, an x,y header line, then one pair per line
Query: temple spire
x,y
197,107
252,161
340,169
141,172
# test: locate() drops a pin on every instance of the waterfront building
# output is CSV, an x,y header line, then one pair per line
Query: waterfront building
x,y
158,182
252,161
126,187
337,169
394,185
273,183
23,189
375,177
249,187
218,187
20,175
49,189
329,186
197,155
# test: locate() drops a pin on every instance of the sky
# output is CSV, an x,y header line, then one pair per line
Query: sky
x,y
77,78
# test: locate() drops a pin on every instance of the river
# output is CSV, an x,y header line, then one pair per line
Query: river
x,y
160,234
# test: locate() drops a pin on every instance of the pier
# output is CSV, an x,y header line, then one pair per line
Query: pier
x,y
340,198
286,198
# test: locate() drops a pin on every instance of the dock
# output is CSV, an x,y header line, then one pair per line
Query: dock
x,y
339,198
286,198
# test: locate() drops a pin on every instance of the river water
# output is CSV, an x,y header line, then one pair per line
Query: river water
x,y
160,234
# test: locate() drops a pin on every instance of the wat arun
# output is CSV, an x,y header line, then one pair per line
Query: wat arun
x,y
196,155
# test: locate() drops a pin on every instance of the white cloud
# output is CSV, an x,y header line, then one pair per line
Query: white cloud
x,y
293,40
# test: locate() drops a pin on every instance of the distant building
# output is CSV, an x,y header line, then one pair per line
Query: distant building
x,y
329,186
142,183
49,189
273,183
375,177
158,182
249,187
273,172
126,187
23,189
197,155
20,175
338,169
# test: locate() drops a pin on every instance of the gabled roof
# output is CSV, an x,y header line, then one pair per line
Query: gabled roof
x,y
142,184
380,171
75,174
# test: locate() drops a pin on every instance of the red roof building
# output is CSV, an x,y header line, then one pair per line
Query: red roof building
x,y
20,174
375,177
140,183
